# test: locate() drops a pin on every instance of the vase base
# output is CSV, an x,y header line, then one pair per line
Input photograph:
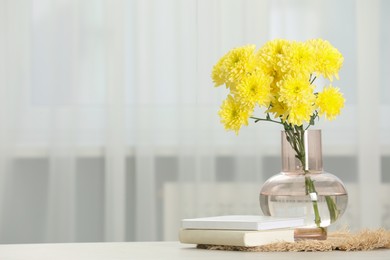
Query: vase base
x,y
310,234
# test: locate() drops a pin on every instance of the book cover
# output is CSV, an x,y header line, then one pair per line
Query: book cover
x,y
235,237
241,222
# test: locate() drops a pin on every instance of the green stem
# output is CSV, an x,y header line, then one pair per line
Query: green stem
x,y
311,82
265,119
333,212
310,190
296,139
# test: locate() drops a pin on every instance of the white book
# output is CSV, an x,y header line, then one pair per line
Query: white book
x,y
235,237
242,222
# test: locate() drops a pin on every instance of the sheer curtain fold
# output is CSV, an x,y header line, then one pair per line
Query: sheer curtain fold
x,y
63,123
14,80
62,178
6,119
146,114
369,157
115,149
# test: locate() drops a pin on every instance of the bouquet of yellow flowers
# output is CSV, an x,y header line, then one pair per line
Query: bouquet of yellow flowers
x,y
280,78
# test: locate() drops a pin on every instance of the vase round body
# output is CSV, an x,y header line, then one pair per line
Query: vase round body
x,y
304,189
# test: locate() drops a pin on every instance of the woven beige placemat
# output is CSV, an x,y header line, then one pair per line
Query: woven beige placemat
x,y
344,241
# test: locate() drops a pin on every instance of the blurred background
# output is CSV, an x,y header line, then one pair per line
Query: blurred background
x,y
108,117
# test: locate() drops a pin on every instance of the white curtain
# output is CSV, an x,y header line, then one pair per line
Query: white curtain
x,y
108,117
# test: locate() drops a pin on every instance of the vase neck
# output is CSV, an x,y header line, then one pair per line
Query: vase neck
x,y
309,145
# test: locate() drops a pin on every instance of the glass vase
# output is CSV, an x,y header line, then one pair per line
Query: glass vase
x,y
303,188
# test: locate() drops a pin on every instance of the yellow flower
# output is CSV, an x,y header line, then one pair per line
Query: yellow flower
x,y
300,112
330,102
297,58
233,115
275,89
219,72
277,77
279,110
269,56
234,66
272,49
328,60
295,90
255,89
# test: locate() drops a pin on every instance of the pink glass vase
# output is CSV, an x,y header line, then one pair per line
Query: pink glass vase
x,y
304,189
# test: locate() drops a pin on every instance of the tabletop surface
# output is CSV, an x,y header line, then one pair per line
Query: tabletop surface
x,y
162,250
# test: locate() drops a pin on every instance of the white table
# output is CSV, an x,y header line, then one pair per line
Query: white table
x,y
161,250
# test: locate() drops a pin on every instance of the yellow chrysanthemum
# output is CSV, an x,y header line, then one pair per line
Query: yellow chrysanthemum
x,y
234,66
297,58
330,102
219,73
255,89
269,56
277,77
328,60
300,113
279,110
272,49
233,115
275,89
295,90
